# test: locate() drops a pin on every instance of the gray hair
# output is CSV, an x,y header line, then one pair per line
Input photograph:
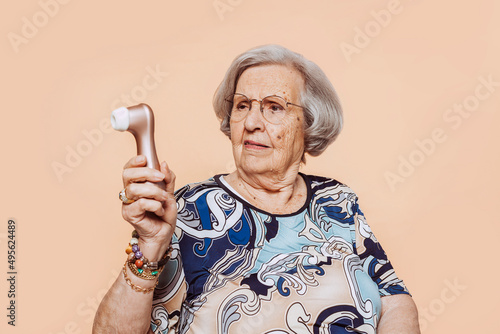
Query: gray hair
x,y
322,109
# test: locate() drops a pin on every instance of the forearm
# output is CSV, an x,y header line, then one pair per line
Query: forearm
x,y
399,316
123,309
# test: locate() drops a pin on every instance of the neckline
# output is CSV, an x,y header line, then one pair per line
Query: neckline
x,y
219,178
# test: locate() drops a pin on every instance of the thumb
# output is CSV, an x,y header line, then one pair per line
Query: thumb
x,y
169,177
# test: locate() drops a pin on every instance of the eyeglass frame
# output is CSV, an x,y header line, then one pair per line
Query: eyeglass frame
x,y
260,104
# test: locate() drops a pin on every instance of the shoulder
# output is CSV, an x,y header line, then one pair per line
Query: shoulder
x,y
206,210
191,189
324,186
334,197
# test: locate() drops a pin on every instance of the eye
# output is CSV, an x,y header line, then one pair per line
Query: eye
x,y
275,107
242,106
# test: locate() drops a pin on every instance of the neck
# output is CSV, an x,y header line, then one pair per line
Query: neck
x,y
274,192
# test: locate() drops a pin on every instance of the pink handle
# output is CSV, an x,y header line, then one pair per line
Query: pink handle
x,y
140,122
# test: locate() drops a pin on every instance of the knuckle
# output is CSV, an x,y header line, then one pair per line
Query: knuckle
x,y
126,214
125,174
142,202
155,205
134,190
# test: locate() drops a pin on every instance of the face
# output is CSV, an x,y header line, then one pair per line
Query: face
x,y
260,147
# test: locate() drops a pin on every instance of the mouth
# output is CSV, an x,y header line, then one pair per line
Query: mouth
x,y
254,144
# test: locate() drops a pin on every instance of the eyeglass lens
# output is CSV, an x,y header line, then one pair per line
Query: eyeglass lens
x,y
273,108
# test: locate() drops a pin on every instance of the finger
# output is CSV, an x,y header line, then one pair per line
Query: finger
x,y
151,206
169,177
141,174
135,191
170,206
138,160
136,210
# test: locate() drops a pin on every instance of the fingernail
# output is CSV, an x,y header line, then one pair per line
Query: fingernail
x,y
139,159
159,175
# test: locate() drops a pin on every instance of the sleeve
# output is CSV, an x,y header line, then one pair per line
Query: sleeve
x,y
374,259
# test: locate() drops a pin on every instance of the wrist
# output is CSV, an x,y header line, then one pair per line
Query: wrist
x,y
152,247
136,283
145,259
153,251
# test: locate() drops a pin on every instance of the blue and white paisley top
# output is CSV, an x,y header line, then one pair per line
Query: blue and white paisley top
x,y
238,269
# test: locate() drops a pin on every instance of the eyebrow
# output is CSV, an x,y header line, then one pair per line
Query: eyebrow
x,y
263,97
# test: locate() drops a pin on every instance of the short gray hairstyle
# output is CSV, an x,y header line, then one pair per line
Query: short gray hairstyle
x,y
322,109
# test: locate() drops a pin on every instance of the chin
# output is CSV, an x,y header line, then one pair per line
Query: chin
x,y
254,167
249,170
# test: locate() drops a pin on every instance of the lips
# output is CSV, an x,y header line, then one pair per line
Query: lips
x,y
254,144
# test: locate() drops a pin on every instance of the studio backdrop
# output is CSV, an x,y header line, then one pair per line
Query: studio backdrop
x,y
419,83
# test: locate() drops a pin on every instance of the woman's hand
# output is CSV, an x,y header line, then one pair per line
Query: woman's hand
x,y
154,212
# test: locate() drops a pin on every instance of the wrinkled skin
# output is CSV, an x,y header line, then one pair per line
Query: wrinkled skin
x,y
274,165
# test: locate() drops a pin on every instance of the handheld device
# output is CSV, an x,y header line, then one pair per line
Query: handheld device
x,y
139,121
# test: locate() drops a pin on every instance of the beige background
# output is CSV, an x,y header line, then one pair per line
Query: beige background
x,y
61,80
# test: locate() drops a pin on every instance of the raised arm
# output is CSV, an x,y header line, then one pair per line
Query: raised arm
x,y
126,308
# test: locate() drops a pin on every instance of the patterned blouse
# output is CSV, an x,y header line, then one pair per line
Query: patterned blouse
x,y
238,269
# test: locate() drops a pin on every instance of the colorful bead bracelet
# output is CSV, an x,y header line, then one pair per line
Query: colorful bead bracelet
x,y
139,264
137,287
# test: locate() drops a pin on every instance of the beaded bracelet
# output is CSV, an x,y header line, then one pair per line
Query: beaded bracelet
x,y
149,275
136,287
140,265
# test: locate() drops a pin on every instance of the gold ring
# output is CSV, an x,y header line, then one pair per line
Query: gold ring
x,y
124,198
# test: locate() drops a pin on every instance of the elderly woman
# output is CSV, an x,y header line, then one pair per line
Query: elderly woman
x,y
264,249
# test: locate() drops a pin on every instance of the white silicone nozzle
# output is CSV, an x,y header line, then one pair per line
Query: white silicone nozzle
x,y
120,119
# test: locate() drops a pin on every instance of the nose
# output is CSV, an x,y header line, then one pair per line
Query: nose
x,y
254,120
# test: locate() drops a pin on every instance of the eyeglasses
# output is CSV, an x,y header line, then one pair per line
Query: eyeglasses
x,y
274,108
